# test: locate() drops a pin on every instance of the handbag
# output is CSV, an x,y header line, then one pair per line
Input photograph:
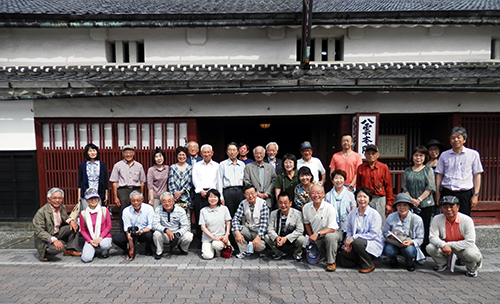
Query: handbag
x,y
226,251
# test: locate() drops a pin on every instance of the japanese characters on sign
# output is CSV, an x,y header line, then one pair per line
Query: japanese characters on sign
x,y
366,133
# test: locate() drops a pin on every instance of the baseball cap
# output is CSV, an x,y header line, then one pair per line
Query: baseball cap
x,y
90,193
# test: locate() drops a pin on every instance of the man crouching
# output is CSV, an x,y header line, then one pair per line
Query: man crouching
x,y
52,225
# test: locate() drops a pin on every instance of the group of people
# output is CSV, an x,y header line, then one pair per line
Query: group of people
x,y
276,203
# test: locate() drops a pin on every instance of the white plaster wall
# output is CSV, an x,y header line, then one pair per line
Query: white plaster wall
x,y
251,45
17,128
50,47
257,104
419,44
222,45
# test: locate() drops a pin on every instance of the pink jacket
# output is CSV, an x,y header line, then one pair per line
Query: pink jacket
x,y
105,226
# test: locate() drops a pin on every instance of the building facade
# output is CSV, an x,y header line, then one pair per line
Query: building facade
x,y
161,73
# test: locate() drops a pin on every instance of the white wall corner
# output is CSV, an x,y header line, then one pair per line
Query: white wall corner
x,y
436,31
99,34
355,33
5,33
276,33
196,36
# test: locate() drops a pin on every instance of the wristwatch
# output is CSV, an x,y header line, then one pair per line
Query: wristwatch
x,y
319,233
476,194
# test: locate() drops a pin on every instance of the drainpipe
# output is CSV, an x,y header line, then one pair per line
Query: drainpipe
x,y
306,33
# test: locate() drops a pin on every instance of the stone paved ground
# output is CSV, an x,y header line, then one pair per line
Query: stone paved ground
x,y
189,279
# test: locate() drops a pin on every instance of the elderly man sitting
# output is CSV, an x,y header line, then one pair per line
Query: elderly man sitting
x,y
137,226
255,212
171,226
52,224
320,221
285,230
453,232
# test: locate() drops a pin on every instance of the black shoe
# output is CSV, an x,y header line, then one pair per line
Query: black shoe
x,y
182,252
393,262
157,256
411,267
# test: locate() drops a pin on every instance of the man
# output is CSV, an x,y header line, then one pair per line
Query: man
x,y
230,179
459,172
137,226
272,151
127,176
320,221
285,230
376,176
52,225
261,175
253,210
204,178
453,232
171,226
243,151
347,160
193,156
313,163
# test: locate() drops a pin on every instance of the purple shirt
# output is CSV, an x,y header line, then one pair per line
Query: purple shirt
x,y
157,180
458,168
127,176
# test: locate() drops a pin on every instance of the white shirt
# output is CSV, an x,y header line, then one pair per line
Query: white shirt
x,y
315,165
326,216
205,175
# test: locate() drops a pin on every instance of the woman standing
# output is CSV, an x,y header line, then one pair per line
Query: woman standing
x,y
95,227
418,181
435,148
302,190
364,237
92,173
215,222
157,178
341,198
179,180
288,180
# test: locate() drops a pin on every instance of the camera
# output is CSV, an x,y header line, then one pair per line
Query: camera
x,y
133,230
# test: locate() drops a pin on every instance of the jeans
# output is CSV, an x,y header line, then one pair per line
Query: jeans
x,y
410,253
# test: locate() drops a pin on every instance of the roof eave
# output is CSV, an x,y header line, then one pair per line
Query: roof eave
x,y
254,19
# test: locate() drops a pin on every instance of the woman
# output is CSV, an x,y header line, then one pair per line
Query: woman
x,y
92,173
341,198
435,148
215,222
179,180
157,177
404,233
364,237
418,181
302,190
95,227
288,180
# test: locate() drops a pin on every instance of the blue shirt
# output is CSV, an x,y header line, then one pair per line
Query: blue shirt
x,y
230,175
458,168
394,224
367,228
143,219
